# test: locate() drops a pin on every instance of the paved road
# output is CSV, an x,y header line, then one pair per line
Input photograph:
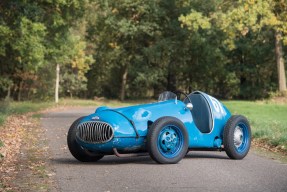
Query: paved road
x,y
199,171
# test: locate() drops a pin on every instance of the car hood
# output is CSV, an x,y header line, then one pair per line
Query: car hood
x,y
151,111
124,120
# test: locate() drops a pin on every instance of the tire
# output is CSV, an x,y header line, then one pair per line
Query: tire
x,y
237,137
167,140
76,150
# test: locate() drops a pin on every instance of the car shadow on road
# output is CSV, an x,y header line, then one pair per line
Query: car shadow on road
x,y
113,160
109,160
206,155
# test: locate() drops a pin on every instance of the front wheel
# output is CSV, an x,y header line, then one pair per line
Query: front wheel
x,y
167,140
76,150
237,137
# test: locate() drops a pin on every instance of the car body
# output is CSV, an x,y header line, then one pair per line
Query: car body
x,y
166,129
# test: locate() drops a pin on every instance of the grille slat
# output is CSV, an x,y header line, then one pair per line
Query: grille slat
x,y
94,125
95,132
90,132
104,136
101,131
87,132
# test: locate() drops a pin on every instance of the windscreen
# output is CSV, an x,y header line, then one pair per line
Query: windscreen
x,y
167,95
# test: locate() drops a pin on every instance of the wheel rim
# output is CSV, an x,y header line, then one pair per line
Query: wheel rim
x,y
241,138
170,141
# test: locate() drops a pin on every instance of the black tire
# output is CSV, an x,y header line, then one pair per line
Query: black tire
x,y
76,150
172,130
237,137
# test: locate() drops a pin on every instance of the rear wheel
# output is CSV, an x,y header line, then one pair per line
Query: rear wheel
x,y
76,150
237,137
167,140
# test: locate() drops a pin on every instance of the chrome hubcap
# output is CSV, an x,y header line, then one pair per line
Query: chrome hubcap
x,y
238,137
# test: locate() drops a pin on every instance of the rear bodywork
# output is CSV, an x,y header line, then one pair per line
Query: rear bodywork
x,y
128,126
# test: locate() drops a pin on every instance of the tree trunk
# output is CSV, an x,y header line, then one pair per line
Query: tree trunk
x,y
57,83
171,78
280,62
8,93
124,82
20,90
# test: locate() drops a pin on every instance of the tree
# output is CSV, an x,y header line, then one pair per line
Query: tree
x,y
208,68
253,16
33,37
120,31
30,49
73,79
243,19
140,48
22,51
59,20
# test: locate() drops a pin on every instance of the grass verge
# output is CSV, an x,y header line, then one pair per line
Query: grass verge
x,y
17,108
279,157
268,122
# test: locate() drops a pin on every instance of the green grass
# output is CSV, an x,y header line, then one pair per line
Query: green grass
x,y
25,107
12,108
268,120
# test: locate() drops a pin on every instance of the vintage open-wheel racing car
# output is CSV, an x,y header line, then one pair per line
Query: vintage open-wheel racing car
x,y
166,130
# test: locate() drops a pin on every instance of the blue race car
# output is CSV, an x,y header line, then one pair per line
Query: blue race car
x,y
166,130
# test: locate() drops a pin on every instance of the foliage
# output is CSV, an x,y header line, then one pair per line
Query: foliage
x,y
137,48
74,67
246,29
120,33
35,36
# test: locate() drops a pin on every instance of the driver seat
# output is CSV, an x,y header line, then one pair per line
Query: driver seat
x,y
201,112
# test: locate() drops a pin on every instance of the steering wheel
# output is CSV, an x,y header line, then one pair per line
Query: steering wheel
x,y
179,93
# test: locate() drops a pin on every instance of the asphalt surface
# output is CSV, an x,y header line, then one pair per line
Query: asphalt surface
x,y
198,171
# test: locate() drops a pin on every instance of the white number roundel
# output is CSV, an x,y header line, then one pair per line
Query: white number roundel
x,y
216,105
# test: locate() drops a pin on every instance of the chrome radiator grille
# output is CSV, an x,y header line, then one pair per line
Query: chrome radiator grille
x,y
95,132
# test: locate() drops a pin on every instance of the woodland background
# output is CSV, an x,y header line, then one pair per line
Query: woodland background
x,y
130,49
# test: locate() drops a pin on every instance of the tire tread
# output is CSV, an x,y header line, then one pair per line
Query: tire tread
x,y
76,150
228,137
152,137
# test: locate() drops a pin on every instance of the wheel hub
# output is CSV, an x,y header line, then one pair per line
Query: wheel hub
x,y
168,140
238,137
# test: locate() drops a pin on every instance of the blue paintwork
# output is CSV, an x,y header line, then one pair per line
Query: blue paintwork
x,y
170,141
143,115
127,144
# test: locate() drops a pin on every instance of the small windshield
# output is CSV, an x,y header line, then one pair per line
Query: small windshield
x,y
167,95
